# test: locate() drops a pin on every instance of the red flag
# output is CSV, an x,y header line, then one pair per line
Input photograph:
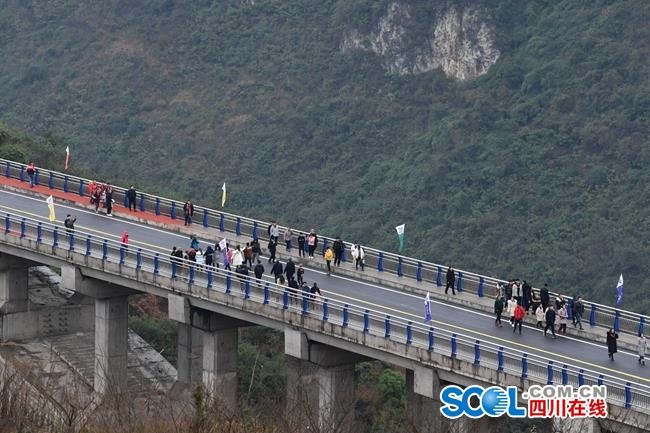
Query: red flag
x,y
67,157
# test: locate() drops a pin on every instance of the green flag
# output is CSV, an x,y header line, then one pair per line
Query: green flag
x,y
400,235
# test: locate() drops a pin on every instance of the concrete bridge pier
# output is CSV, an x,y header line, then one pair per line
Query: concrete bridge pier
x,y
207,350
14,274
320,385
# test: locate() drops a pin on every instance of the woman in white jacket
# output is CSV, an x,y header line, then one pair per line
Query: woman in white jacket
x,y
512,304
539,315
357,254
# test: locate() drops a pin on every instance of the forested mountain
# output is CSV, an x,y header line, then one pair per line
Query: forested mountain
x,y
510,136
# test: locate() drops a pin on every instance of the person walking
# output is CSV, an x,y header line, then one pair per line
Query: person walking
x,y
301,244
641,348
108,199
277,271
300,273
512,304
69,224
312,243
248,255
274,232
290,269
451,281
528,295
338,249
539,315
612,348
519,317
358,255
31,172
124,239
498,310
188,212
544,296
209,256
130,198
329,255
288,234
259,269
272,247
550,321
562,312
256,248
578,311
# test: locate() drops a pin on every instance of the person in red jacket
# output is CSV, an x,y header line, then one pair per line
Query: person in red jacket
x,y
31,172
519,317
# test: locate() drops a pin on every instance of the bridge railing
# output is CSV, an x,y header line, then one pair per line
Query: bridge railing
x,y
411,269
76,246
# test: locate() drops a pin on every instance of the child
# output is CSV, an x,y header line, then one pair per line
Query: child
x,y
539,315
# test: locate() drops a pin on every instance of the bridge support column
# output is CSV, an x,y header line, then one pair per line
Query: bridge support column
x,y
14,274
111,345
220,365
320,385
422,401
190,354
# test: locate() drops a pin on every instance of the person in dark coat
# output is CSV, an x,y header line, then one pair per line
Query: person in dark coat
x,y
209,256
451,280
289,269
612,336
498,310
130,197
338,249
259,269
528,295
272,247
550,321
301,244
544,296
276,270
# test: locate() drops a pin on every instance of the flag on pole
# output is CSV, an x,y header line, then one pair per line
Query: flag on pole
x,y
67,157
400,235
223,195
619,290
50,206
427,308
223,244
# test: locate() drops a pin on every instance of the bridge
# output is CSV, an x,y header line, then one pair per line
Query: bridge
x,y
375,314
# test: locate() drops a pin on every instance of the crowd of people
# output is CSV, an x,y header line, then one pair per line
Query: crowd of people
x,y
101,195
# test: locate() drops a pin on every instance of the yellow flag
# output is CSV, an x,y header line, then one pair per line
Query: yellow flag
x,y
50,206
223,195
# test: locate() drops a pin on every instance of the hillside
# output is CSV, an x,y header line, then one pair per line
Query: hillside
x,y
510,136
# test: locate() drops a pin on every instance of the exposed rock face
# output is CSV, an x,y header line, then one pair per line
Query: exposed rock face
x,y
461,42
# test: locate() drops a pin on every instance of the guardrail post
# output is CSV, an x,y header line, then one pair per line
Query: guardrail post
x,y
343,255
39,233
238,226
105,249
617,317
500,359
22,174
81,188
324,247
141,202
55,237
346,315
89,244
156,264
138,259
439,277
387,327
581,377
125,202
50,181
409,333
191,270
641,325
222,224
628,395
431,340
592,315
172,211
23,228
418,274
37,173
326,310
174,269
122,255
285,300
267,294
454,346
247,289
549,373
366,321
209,272
460,282
7,224
569,309
601,379
205,218
477,352
380,262
524,366
8,169
305,304
65,184
565,375
399,267
254,234
71,241
481,284
229,284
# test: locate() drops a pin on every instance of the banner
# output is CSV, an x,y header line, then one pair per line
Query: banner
x,y
400,236
223,195
50,206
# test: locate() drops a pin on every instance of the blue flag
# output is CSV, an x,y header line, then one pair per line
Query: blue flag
x,y
619,290
427,308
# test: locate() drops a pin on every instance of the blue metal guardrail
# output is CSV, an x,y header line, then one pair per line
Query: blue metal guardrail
x,y
409,268
78,246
